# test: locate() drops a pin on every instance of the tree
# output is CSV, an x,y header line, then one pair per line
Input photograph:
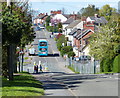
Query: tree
x,y
107,11
60,27
16,24
47,21
89,11
104,44
61,40
66,50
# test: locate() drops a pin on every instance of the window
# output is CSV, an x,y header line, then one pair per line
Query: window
x,y
43,49
43,44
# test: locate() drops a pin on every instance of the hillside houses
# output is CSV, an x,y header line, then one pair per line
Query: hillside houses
x,y
78,32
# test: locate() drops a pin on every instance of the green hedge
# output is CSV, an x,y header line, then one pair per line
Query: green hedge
x,y
116,64
108,65
101,66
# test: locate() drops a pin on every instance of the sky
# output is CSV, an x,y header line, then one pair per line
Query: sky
x,y
70,6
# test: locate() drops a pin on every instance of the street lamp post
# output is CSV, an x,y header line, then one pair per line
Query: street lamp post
x,y
94,67
21,56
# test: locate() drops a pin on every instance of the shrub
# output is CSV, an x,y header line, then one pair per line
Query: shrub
x,y
71,54
61,40
108,65
116,64
49,28
66,49
59,46
101,66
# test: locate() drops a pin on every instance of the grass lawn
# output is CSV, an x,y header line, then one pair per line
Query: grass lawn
x,y
23,85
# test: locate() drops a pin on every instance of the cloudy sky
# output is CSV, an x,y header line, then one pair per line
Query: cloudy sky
x,y
70,6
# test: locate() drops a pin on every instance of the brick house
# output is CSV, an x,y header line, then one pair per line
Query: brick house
x,y
81,40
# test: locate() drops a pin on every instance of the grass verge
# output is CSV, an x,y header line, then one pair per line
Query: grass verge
x,y
73,69
26,58
105,73
23,85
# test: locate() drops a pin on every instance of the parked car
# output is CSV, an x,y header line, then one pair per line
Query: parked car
x,y
76,58
85,57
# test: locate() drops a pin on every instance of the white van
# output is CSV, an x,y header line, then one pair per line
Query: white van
x,y
31,51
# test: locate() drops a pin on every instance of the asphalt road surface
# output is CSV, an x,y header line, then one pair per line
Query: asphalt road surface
x,y
60,81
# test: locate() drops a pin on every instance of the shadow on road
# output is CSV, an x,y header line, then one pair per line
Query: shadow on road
x,y
49,55
62,80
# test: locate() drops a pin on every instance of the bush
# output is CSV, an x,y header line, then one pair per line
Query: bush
x,y
108,65
71,54
101,66
116,64
66,49
61,40
49,28
59,46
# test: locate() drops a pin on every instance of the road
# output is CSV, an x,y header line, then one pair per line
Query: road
x,y
60,81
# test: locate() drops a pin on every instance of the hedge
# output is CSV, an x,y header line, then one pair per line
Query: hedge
x,y
116,64
108,65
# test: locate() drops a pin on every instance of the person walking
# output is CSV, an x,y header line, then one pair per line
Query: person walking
x,y
34,67
41,68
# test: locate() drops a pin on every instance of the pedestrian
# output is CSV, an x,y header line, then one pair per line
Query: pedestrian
x,y
36,68
41,68
50,36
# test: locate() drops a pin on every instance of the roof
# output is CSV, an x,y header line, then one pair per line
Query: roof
x,y
68,21
73,31
99,19
74,23
42,40
66,15
84,32
42,16
77,33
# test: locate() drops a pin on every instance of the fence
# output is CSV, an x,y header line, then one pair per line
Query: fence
x,y
84,66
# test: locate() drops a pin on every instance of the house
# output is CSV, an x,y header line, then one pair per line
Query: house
x,y
60,17
70,27
97,20
71,34
56,12
40,19
66,23
81,41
